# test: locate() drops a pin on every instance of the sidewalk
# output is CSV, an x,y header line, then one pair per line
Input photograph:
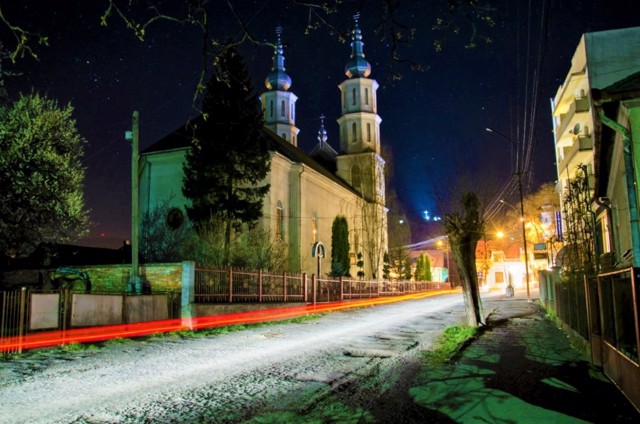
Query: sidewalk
x,y
522,369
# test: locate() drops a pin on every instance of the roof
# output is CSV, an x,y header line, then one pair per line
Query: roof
x,y
181,138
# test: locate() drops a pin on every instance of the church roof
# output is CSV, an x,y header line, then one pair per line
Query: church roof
x,y
181,138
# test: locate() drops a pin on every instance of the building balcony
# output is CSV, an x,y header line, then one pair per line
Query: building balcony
x,y
580,151
576,113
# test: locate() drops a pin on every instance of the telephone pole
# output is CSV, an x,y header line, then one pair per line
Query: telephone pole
x,y
135,285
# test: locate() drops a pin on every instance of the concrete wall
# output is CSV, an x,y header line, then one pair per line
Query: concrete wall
x,y
203,309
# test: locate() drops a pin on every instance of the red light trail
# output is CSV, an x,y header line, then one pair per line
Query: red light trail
x,y
102,333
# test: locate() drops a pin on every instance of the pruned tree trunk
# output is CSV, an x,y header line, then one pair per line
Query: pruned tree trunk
x,y
464,230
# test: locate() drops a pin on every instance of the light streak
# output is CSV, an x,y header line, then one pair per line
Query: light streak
x,y
102,333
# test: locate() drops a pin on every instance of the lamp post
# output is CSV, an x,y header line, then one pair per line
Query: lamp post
x,y
519,172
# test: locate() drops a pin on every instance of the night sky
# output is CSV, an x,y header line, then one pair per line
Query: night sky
x,y
433,120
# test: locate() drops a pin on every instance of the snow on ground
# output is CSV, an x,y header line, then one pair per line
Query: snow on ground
x,y
219,378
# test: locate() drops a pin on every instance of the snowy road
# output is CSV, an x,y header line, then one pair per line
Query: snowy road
x,y
222,378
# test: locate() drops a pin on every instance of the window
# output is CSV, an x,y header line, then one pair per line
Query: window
x,y
366,96
284,135
356,176
368,132
499,277
280,221
354,132
271,108
353,96
282,108
291,113
314,227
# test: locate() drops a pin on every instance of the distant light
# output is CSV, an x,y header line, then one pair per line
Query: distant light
x,y
427,217
103,235
401,221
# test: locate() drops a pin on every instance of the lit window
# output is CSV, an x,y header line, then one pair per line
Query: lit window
x,y
280,221
314,227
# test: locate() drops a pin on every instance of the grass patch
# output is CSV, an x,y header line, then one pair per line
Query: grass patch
x,y
448,344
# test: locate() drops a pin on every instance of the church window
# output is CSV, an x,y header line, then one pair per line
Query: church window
x,y
368,131
356,241
280,221
284,135
356,176
291,113
353,96
366,96
314,227
354,132
282,108
271,109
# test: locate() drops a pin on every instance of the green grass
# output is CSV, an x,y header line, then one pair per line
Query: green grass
x,y
448,344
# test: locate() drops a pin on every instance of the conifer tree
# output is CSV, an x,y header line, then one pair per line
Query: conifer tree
x,y
229,159
340,247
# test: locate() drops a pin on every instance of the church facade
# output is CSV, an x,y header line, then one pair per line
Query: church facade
x,y
307,191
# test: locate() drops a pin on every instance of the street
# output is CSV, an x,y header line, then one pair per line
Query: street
x,y
224,378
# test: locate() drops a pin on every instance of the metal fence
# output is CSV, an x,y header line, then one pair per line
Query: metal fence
x,y
237,286
567,298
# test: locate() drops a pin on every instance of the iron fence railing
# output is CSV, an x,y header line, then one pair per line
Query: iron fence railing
x,y
237,286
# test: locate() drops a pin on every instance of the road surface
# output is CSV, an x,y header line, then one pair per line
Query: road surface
x,y
224,378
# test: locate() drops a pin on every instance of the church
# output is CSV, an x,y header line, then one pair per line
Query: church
x,y
307,190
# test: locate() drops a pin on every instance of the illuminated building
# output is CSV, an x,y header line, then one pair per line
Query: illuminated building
x,y
307,191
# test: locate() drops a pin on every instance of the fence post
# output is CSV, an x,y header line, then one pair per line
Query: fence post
x,y
23,306
187,300
230,285
260,285
304,287
341,289
284,286
314,288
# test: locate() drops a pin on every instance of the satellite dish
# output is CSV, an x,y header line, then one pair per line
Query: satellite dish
x,y
576,129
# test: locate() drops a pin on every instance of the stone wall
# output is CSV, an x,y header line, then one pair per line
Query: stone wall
x,y
104,278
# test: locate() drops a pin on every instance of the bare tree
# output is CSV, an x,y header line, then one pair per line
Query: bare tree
x,y
464,228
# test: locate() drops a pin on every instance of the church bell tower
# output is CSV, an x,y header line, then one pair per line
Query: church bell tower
x,y
278,103
360,163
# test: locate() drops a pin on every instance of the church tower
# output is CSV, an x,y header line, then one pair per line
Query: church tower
x,y
360,163
278,103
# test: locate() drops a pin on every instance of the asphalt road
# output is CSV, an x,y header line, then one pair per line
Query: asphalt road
x,y
225,378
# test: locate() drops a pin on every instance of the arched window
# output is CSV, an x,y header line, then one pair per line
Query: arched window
x,y
284,135
353,95
314,227
356,176
282,108
366,96
354,132
280,221
368,131
271,108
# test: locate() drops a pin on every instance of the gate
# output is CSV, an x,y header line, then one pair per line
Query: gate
x,y
13,315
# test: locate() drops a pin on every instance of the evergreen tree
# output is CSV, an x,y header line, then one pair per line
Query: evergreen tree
x,y
229,159
340,263
41,175
419,267
426,265
386,266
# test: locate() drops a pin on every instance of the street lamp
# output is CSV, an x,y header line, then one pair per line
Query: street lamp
x,y
518,173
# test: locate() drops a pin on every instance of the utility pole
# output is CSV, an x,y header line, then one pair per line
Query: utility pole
x,y
135,285
519,172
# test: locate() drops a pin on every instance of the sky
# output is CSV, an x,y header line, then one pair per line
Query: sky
x,y
433,120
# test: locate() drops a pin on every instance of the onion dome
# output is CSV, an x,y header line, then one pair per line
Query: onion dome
x,y
278,78
357,66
